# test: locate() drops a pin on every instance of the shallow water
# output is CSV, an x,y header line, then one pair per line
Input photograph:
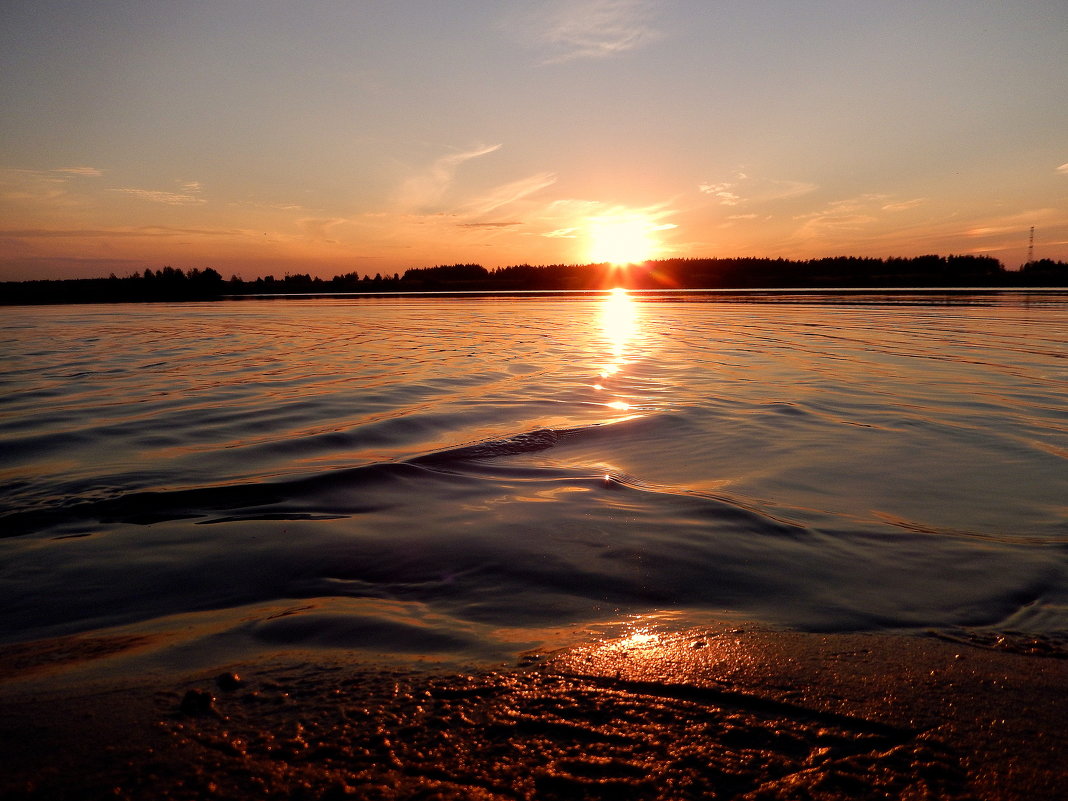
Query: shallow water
x,y
430,475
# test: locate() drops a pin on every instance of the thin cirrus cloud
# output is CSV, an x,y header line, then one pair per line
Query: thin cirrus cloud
x,y
851,214
52,185
596,29
721,192
507,194
87,172
425,189
1063,169
1016,223
117,232
744,188
905,205
492,225
562,233
169,198
318,228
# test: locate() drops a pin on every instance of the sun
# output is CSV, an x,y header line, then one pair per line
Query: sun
x,y
622,239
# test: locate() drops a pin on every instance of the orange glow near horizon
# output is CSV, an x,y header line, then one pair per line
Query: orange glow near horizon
x,y
635,158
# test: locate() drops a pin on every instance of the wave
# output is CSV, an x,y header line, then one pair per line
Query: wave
x,y
486,540
296,498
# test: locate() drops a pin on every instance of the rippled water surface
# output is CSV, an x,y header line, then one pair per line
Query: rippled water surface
x,y
436,474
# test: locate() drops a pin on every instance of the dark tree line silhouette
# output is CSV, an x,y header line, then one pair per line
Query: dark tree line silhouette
x,y
173,284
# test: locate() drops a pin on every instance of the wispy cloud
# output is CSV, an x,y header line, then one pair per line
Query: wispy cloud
x,y
1063,169
428,187
54,187
61,233
318,228
87,172
721,192
1017,224
783,190
840,216
117,232
834,222
57,175
188,196
872,213
743,188
507,194
157,196
905,205
594,29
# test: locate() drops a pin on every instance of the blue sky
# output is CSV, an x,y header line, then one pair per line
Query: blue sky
x,y
259,136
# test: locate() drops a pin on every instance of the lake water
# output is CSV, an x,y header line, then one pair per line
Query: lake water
x,y
472,476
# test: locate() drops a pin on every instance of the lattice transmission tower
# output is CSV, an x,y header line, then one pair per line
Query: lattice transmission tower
x,y
1031,246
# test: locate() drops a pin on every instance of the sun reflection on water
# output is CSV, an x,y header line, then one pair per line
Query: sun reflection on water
x,y
618,321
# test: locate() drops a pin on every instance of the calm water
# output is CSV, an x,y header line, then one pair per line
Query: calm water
x,y
447,476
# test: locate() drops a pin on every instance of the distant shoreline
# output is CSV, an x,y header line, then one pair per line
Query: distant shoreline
x,y
839,274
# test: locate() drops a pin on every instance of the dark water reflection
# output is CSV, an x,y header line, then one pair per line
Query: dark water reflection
x,y
444,471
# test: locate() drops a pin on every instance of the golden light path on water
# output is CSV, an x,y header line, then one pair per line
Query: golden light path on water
x,y
619,326
645,642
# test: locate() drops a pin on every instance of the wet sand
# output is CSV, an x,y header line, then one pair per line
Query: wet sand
x,y
706,713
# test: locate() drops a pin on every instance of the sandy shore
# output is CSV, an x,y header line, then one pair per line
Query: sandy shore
x,y
705,713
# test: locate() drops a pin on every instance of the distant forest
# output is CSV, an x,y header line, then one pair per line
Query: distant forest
x,y
173,284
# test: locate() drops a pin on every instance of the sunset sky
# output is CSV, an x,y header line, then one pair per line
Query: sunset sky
x,y
274,136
